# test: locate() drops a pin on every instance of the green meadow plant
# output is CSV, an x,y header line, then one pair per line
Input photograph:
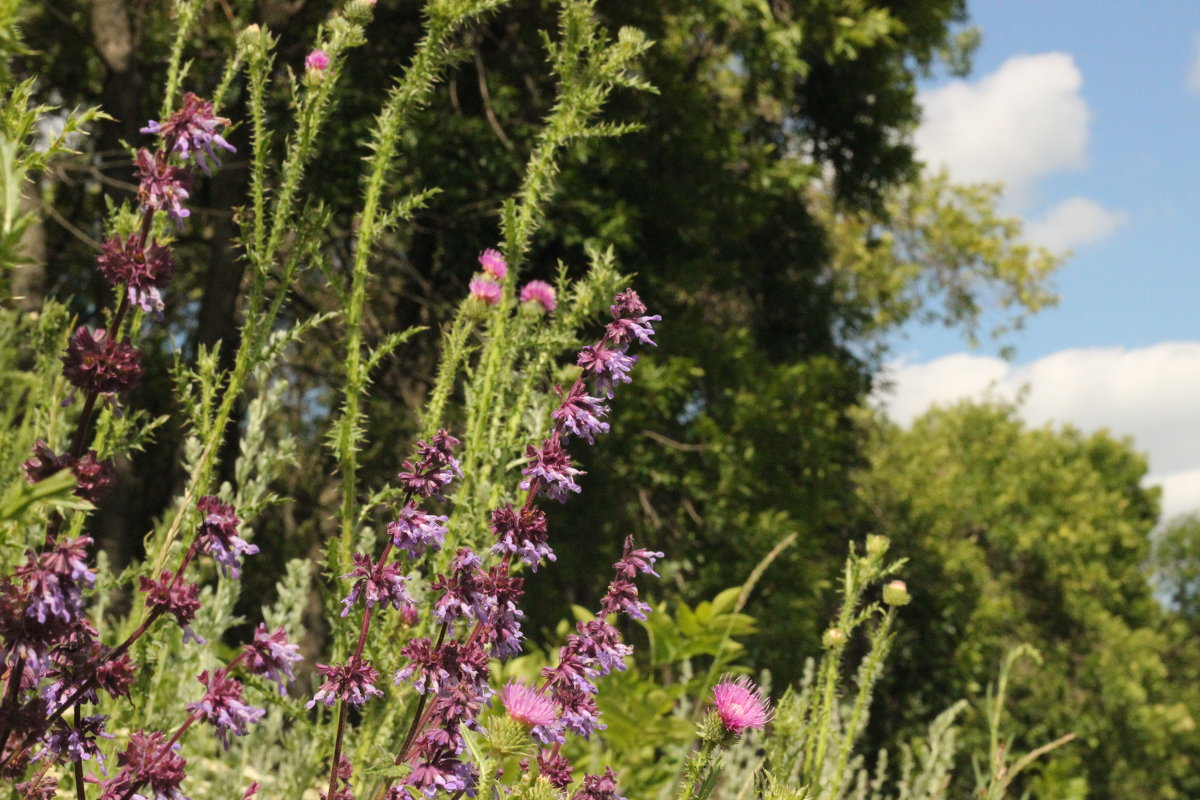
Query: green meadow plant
x,y
423,684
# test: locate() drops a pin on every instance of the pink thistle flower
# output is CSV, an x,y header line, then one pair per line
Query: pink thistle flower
x,y
740,705
527,706
493,263
317,60
541,293
485,290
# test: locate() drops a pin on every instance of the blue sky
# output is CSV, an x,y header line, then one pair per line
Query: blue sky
x,y
1090,113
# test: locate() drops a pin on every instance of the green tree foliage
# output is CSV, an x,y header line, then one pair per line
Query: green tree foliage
x,y
1038,536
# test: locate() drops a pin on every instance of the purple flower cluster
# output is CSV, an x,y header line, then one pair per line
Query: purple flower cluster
x,y
149,760
222,706
218,536
434,469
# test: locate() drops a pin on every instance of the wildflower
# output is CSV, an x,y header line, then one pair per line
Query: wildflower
x,y
147,760
270,655
608,366
634,561
176,597
580,715
192,131
487,291
834,637
497,599
353,682
162,187
223,707
493,263
527,705
93,478
316,61
381,584
77,742
95,362
218,535
143,270
43,786
579,414
541,293
522,533
599,787
551,465
459,588
417,531
622,596
555,768
602,643
740,705
442,772
115,675
629,321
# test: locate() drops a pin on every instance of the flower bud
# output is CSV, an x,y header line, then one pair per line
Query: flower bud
x,y
834,637
896,594
316,61
877,546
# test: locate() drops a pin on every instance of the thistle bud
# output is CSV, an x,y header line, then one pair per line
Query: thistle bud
x,y
877,546
896,594
833,638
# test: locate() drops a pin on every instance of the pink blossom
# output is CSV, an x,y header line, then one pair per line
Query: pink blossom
x,y
524,704
740,705
493,263
539,292
317,60
485,290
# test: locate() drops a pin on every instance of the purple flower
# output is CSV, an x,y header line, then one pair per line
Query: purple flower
x,y
353,682
93,478
599,787
223,707
43,786
317,60
622,596
522,533
417,531
147,760
192,131
115,676
635,561
459,588
555,768
579,414
162,187
78,743
50,596
541,293
493,263
441,773
580,715
143,270
377,583
178,598
608,366
740,705
488,292
623,332
218,536
497,604
270,656
94,362
602,643
551,465
629,321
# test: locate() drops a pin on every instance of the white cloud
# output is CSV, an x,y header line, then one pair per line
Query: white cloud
x,y
1194,72
1074,222
1148,393
1022,122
